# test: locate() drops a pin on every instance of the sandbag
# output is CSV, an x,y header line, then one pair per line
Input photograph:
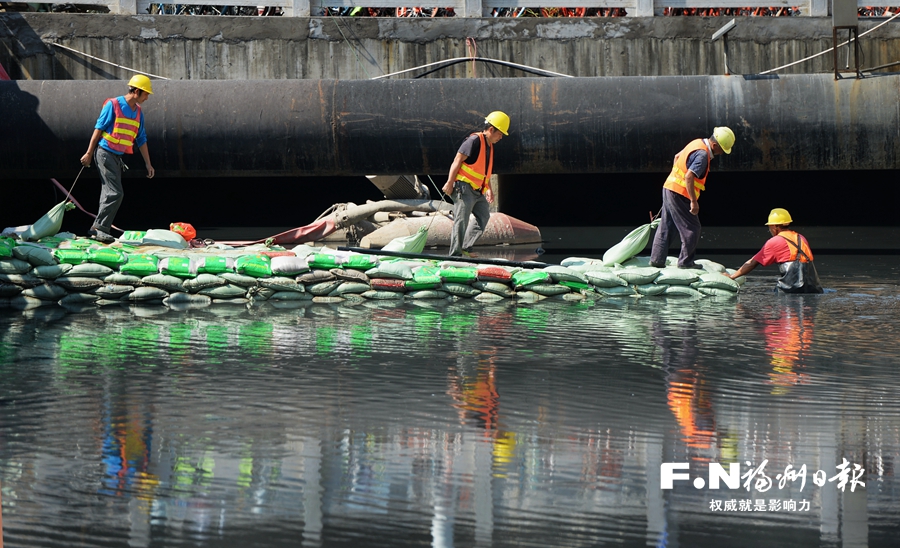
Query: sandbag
x,y
676,276
226,291
204,281
14,266
46,292
36,256
631,245
113,291
391,269
281,284
604,278
90,270
528,277
182,267
213,265
49,224
495,287
493,274
414,243
164,238
70,256
350,275
638,276
51,272
258,266
164,281
107,256
139,264
362,262
349,287
289,265
714,279
560,273
460,290
461,275
649,290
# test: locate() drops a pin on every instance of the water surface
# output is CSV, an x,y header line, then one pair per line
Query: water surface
x,y
458,424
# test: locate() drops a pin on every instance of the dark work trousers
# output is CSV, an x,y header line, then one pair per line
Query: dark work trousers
x,y
676,215
467,201
111,192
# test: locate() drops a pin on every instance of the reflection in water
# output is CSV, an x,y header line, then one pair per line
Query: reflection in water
x,y
449,424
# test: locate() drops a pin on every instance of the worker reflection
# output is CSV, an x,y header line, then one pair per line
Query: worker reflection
x,y
688,398
681,190
792,253
788,342
119,129
469,184
475,392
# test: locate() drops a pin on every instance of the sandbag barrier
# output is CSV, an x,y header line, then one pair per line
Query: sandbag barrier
x,y
84,273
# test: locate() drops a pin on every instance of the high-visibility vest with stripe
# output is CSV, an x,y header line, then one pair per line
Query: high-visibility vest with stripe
x,y
798,246
675,181
478,175
124,130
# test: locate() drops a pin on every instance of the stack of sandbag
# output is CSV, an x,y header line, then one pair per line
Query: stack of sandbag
x,y
636,277
79,272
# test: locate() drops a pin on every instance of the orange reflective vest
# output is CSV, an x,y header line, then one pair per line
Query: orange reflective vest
x,y
125,129
478,175
675,181
798,246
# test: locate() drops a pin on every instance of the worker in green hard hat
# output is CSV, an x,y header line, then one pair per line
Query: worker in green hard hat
x,y
792,253
119,129
469,183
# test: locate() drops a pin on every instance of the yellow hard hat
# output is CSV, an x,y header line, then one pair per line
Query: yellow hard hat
x,y
141,82
499,120
779,216
725,138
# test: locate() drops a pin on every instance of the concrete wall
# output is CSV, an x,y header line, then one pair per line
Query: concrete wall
x,y
182,47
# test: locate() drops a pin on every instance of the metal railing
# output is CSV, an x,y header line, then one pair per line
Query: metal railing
x,y
484,8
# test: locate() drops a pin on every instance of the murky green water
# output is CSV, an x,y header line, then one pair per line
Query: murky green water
x,y
461,424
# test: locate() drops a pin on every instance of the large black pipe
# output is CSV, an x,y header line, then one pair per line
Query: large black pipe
x,y
559,125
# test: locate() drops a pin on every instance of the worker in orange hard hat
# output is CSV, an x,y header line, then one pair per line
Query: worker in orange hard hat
x,y
119,129
680,193
792,253
469,183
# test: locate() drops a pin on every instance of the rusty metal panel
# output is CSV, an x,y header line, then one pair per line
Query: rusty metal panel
x,y
559,125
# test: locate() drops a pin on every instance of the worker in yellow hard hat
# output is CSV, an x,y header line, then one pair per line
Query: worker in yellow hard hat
x,y
119,129
680,193
792,253
469,183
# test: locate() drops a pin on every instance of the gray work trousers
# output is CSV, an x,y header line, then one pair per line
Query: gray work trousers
x,y
676,215
111,192
467,201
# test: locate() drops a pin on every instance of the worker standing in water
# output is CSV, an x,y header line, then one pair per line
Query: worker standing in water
x,y
469,184
119,128
792,253
680,193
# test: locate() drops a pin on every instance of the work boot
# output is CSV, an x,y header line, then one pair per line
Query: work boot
x,y
102,237
657,265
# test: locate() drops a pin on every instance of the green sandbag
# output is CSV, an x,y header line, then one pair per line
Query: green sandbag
x,y
139,264
528,277
409,244
49,224
631,245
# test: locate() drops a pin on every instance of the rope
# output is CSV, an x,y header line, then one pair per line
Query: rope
x,y
482,59
74,201
107,62
833,47
352,47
